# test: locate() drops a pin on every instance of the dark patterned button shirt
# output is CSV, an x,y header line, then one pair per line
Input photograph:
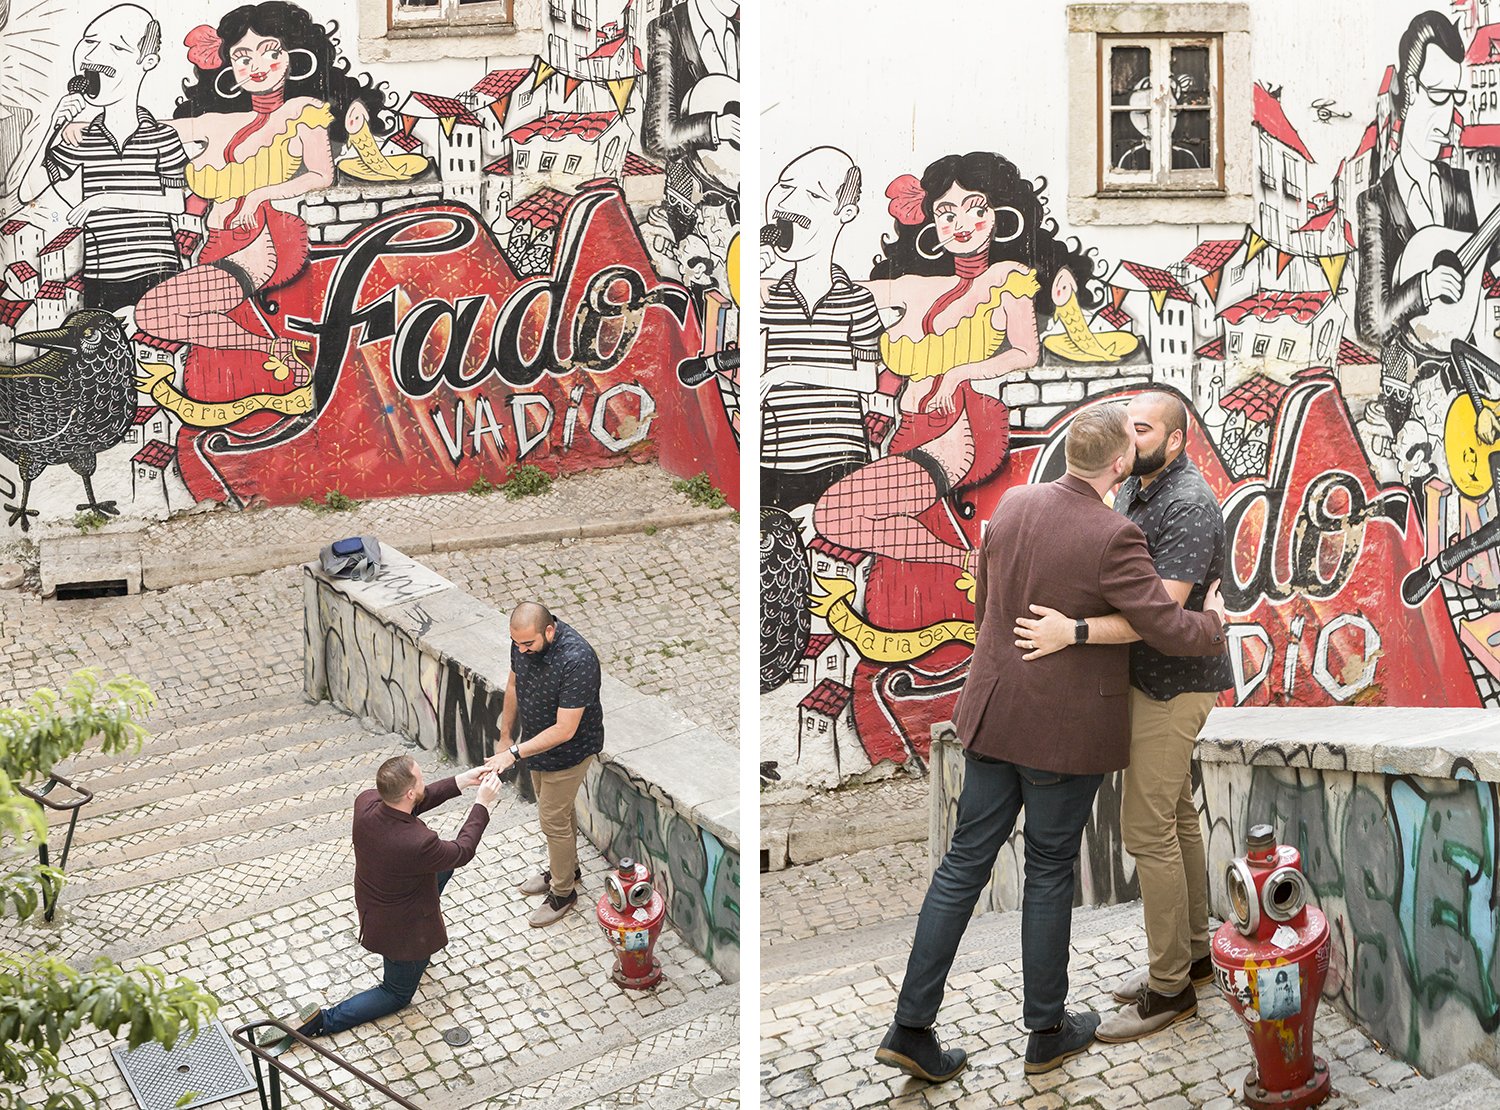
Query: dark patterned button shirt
x,y
565,676
1185,534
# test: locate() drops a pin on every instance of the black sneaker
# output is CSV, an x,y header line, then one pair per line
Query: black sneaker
x,y
917,1052
1045,1051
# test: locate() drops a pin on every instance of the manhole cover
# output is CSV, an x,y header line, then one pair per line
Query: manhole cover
x,y
458,1036
207,1065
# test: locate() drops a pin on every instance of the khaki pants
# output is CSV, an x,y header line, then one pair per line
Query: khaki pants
x,y
555,792
1159,825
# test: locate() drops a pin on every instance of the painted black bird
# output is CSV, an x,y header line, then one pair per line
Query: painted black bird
x,y
67,405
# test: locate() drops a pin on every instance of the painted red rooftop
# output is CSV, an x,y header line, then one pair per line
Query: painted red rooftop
x,y
51,291
63,238
500,83
1157,280
837,551
1352,354
828,697
75,283
1258,397
445,107
560,125
1271,119
170,346
156,454
12,311
1367,143
1320,221
1213,349
13,226
636,166
21,271
1210,254
1385,81
876,425
1270,305
1485,49
1482,136
1115,317
543,208
816,646
405,140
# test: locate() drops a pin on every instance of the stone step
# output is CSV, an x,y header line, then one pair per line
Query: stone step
x,y
1471,1087
348,772
212,766
187,731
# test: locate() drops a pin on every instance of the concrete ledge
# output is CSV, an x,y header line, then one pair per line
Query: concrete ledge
x,y
157,570
90,558
1368,739
423,658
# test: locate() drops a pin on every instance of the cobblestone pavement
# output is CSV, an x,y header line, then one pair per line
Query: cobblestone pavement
x,y
220,850
835,938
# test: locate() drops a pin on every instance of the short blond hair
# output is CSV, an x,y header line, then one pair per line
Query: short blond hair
x,y
1096,438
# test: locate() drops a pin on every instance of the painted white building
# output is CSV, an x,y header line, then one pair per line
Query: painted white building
x,y
1282,162
1279,333
15,317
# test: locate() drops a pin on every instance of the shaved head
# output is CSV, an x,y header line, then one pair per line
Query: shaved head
x,y
1169,409
530,616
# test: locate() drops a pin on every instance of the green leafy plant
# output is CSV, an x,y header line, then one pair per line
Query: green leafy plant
x,y
333,501
43,1000
89,521
700,491
650,529
482,487
526,481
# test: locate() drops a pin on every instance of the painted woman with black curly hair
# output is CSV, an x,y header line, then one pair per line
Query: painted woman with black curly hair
x,y
974,261
269,100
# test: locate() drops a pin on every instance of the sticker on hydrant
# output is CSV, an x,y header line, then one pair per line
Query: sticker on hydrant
x,y
1284,937
635,940
1283,999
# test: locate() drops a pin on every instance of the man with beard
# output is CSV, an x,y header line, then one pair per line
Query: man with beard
x,y
133,168
1040,736
1170,698
822,334
400,869
552,718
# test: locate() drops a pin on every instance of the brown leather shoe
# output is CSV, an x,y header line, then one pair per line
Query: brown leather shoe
x,y
1152,1012
541,882
1200,972
552,909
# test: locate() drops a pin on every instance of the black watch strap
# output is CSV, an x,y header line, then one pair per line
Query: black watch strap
x,y
1081,631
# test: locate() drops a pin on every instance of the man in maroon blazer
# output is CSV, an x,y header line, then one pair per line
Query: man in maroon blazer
x,y
400,868
1042,735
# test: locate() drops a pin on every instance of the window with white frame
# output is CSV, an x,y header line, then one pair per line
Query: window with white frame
x,y
1289,182
1261,343
581,18
1287,347
1160,113
571,165
522,157
546,163
449,13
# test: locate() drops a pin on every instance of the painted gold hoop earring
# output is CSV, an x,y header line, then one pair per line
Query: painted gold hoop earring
x,y
233,84
312,67
936,254
1020,223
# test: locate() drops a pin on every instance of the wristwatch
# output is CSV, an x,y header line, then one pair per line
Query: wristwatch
x,y
1080,631
515,752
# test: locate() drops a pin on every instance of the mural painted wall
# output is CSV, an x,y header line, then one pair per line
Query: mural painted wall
x,y
931,325
239,266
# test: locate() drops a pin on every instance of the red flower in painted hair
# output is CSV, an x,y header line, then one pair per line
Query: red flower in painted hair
x,y
203,45
906,200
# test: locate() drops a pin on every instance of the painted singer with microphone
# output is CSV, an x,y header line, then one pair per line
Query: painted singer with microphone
x,y
130,168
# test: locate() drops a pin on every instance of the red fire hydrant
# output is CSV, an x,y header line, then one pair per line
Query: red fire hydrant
x,y
630,913
1270,960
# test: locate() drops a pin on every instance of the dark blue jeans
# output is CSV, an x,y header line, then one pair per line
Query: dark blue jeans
x,y
1057,808
397,986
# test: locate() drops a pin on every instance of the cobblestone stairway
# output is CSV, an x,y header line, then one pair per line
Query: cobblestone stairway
x,y
221,851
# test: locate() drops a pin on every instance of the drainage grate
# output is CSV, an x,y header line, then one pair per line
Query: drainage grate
x,y
79,591
207,1066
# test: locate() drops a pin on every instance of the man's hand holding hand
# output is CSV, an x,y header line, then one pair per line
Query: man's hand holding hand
x,y
1043,634
489,790
470,777
1213,602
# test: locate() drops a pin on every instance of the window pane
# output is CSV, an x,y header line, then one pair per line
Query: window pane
x,y
1190,140
420,3
1190,75
1129,141
1129,73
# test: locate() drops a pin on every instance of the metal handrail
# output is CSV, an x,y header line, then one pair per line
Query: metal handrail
x,y
39,796
243,1036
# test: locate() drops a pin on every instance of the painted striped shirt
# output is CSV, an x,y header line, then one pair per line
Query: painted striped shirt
x,y
817,423
120,244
